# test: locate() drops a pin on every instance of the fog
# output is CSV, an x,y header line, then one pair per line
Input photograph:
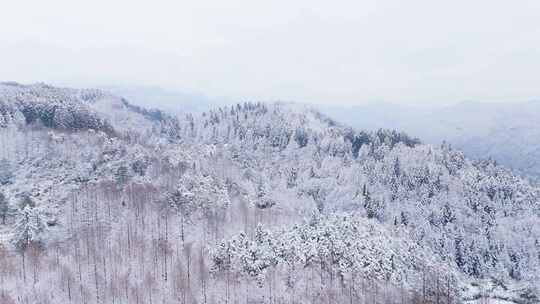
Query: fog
x,y
344,52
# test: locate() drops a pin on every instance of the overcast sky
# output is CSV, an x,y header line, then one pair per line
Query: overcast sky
x,y
312,51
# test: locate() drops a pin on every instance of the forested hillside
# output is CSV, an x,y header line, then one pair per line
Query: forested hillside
x,y
102,201
505,131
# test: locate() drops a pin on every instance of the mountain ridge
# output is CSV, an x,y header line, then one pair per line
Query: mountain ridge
x,y
479,129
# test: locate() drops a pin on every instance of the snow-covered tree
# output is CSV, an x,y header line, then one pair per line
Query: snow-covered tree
x,y
26,201
29,228
122,175
4,207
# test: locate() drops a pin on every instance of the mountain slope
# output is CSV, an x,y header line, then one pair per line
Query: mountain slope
x,y
260,199
506,132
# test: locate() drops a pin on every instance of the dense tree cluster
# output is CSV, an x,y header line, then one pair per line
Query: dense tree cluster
x,y
51,107
345,246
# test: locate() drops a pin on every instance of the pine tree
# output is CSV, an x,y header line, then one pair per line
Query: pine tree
x,y
26,200
301,137
459,254
404,219
4,207
447,215
122,175
372,206
263,201
397,167
29,228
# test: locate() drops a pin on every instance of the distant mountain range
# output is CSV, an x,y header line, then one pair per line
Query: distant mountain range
x,y
507,132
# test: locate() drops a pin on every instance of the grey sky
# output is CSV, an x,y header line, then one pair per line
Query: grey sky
x,y
314,51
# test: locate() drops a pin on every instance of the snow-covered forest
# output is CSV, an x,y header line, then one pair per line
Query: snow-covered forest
x,y
102,201
505,131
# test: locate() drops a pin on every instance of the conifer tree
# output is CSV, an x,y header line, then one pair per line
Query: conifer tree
x,y
29,228
4,207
